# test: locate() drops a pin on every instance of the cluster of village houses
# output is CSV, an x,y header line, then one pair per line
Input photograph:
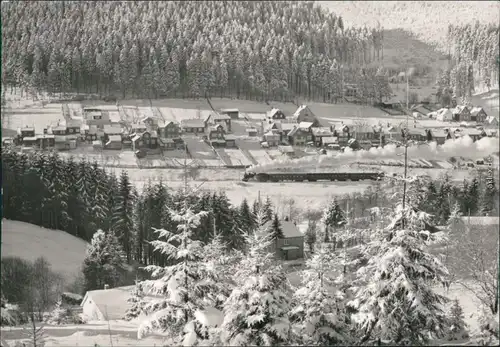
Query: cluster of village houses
x,y
303,128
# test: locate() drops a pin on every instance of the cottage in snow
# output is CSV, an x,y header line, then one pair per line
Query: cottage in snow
x,y
108,304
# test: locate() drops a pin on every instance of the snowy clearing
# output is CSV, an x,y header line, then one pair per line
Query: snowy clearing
x,y
63,251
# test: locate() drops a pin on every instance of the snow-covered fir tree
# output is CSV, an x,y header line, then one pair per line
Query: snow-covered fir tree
x,y
136,302
256,312
319,316
184,287
397,303
59,315
103,261
333,218
457,328
217,261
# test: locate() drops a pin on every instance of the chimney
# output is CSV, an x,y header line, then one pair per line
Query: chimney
x,y
106,286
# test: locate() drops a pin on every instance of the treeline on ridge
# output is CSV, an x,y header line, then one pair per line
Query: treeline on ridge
x,y
248,49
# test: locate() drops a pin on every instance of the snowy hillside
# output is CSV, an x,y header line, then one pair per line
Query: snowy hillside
x,y
429,20
63,251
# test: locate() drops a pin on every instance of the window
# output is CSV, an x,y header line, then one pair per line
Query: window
x,y
77,130
70,131
97,117
286,242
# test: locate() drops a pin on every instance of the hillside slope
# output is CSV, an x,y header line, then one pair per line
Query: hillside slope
x,y
63,251
429,20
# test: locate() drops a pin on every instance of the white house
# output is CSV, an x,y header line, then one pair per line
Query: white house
x,y
108,304
444,115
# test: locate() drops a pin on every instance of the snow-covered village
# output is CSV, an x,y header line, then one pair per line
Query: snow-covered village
x,y
250,173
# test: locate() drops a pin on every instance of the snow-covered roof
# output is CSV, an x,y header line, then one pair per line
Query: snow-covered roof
x,y
112,303
59,128
329,140
475,110
219,116
286,149
193,123
44,136
270,133
305,125
229,137
229,110
250,130
115,138
322,131
109,129
289,229
491,119
273,112
138,126
299,110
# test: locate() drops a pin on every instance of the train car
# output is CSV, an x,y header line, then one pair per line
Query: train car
x,y
312,176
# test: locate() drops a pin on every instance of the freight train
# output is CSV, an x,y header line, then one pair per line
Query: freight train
x,y
312,176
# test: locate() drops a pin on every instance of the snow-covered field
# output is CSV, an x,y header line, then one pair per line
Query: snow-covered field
x,y
116,333
237,157
63,251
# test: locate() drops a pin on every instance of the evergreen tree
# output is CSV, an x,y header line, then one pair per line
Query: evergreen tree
x,y
333,218
310,237
256,312
489,198
122,223
246,217
320,315
398,303
275,228
457,328
60,315
183,285
268,209
103,261
136,303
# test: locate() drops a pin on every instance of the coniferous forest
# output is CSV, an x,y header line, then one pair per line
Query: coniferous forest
x,y
247,49
79,197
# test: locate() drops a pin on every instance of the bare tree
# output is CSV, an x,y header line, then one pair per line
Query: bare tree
x,y
473,260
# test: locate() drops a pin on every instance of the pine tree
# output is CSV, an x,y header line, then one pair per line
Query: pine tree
x,y
217,261
275,228
136,303
320,315
333,218
268,209
183,285
122,223
489,198
457,328
59,315
103,261
256,312
310,236
245,216
398,303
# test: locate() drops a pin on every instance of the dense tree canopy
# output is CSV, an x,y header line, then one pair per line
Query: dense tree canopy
x,y
278,49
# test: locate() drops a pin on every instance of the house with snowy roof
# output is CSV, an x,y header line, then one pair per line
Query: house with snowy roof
x,y
109,303
444,115
275,114
304,114
491,122
461,113
291,246
478,114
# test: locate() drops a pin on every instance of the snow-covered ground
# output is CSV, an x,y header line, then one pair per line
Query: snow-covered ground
x,y
116,333
63,251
